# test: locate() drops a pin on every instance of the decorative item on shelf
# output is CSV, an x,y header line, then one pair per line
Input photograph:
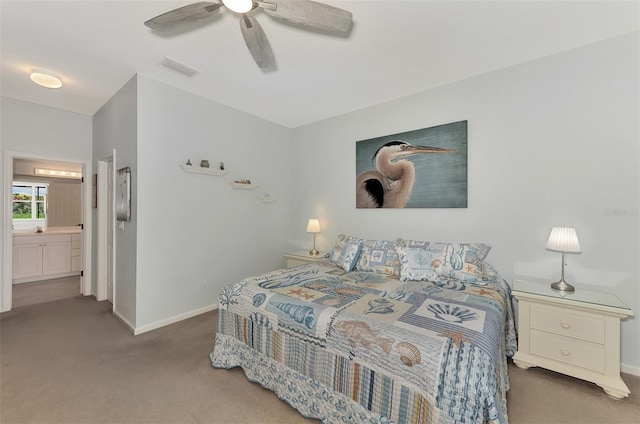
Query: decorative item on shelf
x,y
204,163
564,240
313,227
267,198
201,170
188,162
221,166
244,184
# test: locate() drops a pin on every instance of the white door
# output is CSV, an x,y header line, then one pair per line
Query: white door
x,y
76,252
110,233
64,206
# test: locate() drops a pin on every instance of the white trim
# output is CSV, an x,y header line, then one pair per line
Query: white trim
x,y
123,320
630,369
9,156
7,238
174,319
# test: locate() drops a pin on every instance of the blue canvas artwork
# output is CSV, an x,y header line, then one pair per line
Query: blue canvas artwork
x,y
425,168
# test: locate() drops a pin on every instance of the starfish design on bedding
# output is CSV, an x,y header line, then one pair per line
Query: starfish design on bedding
x,y
301,293
489,292
471,269
456,338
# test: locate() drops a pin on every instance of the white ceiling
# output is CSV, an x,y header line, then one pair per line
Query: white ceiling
x,y
396,48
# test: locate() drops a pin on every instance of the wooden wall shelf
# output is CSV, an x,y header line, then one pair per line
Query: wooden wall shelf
x,y
201,170
244,186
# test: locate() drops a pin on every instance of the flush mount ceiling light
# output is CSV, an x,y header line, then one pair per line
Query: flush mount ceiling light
x,y
60,173
45,79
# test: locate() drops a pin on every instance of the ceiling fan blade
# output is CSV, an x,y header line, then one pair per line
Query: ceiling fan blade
x,y
183,15
257,42
309,13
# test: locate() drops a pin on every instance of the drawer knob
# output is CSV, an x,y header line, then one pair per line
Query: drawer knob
x,y
565,351
565,324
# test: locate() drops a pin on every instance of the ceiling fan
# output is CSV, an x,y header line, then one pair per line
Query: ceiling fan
x,y
306,13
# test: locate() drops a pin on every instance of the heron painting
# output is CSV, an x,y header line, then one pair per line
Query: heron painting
x,y
424,168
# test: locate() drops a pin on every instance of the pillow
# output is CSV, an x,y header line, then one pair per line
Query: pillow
x,y
379,256
342,242
349,255
462,261
415,264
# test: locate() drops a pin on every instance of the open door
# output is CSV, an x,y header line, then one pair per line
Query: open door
x,y
106,229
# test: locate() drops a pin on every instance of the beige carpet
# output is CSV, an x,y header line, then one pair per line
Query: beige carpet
x,y
71,361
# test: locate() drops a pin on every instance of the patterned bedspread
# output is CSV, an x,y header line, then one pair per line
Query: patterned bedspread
x,y
364,347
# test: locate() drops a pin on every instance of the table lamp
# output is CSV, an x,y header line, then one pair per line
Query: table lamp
x,y
313,227
565,240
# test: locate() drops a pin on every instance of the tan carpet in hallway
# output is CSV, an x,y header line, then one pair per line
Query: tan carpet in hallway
x,y
71,361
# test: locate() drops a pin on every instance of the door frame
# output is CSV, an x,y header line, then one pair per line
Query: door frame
x,y
7,233
103,227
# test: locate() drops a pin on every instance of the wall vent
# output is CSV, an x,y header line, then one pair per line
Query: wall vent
x,y
179,67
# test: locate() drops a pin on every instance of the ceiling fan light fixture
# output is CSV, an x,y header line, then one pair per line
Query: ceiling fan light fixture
x,y
45,79
239,6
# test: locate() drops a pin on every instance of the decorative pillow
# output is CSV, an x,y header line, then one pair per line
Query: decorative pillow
x,y
349,255
341,242
463,261
379,256
415,264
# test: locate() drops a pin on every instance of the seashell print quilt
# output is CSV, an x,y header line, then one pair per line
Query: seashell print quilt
x,y
365,347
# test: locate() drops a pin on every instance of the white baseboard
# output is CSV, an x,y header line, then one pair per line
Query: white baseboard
x,y
629,369
124,321
174,319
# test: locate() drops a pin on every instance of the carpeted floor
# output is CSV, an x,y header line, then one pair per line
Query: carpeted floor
x,y
71,361
45,291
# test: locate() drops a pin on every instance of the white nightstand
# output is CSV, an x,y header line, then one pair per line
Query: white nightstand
x,y
301,257
577,334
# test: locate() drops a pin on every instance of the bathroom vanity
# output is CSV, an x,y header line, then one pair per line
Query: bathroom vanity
x,y
54,253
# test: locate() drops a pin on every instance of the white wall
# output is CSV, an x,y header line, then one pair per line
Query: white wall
x,y
33,129
551,142
195,233
115,127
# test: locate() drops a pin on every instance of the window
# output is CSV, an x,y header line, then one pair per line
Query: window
x,y
29,200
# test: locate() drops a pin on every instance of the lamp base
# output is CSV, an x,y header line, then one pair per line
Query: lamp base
x,y
563,286
314,252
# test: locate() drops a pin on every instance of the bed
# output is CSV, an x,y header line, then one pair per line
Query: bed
x,y
402,331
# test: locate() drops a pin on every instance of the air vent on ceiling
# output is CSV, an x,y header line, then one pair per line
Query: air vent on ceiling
x,y
179,67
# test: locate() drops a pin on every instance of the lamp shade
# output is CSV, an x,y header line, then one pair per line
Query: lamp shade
x,y
313,226
563,239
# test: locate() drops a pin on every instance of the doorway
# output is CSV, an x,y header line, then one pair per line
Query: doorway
x,y
84,236
106,230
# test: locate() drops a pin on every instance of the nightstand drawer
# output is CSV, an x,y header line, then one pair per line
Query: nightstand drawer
x,y
585,355
579,326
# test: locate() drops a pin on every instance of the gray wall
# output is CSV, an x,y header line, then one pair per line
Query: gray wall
x,y
33,129
195,233
551,142
115,126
